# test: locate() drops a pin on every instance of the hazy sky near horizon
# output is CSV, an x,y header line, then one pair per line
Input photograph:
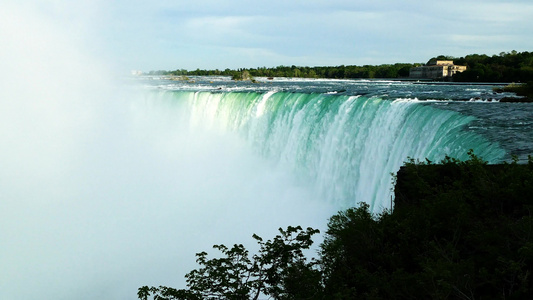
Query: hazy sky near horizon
x,y
209,34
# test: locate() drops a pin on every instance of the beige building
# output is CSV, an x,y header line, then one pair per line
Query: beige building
x,y
436,69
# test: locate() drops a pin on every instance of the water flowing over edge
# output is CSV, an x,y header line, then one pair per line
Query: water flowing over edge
x,y
345,146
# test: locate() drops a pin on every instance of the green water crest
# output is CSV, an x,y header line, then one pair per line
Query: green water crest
x,y
346,146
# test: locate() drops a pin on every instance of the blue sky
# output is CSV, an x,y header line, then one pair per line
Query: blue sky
x,y
209,34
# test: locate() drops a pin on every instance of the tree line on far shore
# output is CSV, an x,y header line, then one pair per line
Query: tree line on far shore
x,y
398,70
505,67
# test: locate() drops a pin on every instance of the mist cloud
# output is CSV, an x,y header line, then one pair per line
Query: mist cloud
x,y
102,191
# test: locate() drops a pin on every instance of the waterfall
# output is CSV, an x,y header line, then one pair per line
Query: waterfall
x,y
345,146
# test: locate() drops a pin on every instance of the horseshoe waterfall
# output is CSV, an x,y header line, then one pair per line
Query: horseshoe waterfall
x,y
345,146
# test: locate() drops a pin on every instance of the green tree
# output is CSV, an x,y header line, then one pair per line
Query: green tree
x,y
279,270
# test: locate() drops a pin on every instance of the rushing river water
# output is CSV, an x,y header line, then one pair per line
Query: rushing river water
x,y
347,136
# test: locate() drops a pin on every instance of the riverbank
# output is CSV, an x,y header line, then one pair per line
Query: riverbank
x,y
524,92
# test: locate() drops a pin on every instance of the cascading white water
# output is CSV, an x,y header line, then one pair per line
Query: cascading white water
x,y
346,147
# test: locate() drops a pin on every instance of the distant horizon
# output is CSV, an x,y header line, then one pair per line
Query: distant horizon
x,y
333,66
338,65
209,34
282,65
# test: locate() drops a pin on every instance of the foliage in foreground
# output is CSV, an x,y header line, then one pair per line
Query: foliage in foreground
x,y
459,230
279,270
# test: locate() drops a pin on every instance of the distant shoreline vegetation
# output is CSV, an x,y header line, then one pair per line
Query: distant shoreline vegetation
x,y
505,67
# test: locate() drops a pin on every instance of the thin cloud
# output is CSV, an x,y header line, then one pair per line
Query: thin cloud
x,y
185,34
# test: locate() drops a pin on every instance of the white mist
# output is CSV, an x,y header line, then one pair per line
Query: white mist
x,y
102,192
